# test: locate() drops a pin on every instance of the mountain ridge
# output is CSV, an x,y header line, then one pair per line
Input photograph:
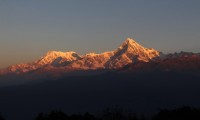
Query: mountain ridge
x,y
128,57
129,52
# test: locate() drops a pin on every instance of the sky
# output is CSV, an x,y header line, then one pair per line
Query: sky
x,y
30,28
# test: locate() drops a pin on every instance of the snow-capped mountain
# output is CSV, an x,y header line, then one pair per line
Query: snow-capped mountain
x,y
52,58
57,58
129,52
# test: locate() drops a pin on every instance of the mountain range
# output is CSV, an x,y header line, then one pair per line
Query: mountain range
x,y
129,52
130,56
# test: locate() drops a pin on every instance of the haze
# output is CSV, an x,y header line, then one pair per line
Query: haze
x,y
28,29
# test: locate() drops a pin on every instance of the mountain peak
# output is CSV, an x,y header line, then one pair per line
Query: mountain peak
x,y
130,43
129,40
54,55
129,52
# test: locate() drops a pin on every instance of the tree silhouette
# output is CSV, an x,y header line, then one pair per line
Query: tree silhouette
x,y
113,114
41,116
183,113
88,116
57,115
53,115
116,113
75,117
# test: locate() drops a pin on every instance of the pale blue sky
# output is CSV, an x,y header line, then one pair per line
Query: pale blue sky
x,y
30,28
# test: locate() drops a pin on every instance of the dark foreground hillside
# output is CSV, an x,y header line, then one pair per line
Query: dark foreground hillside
x,y
141,93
